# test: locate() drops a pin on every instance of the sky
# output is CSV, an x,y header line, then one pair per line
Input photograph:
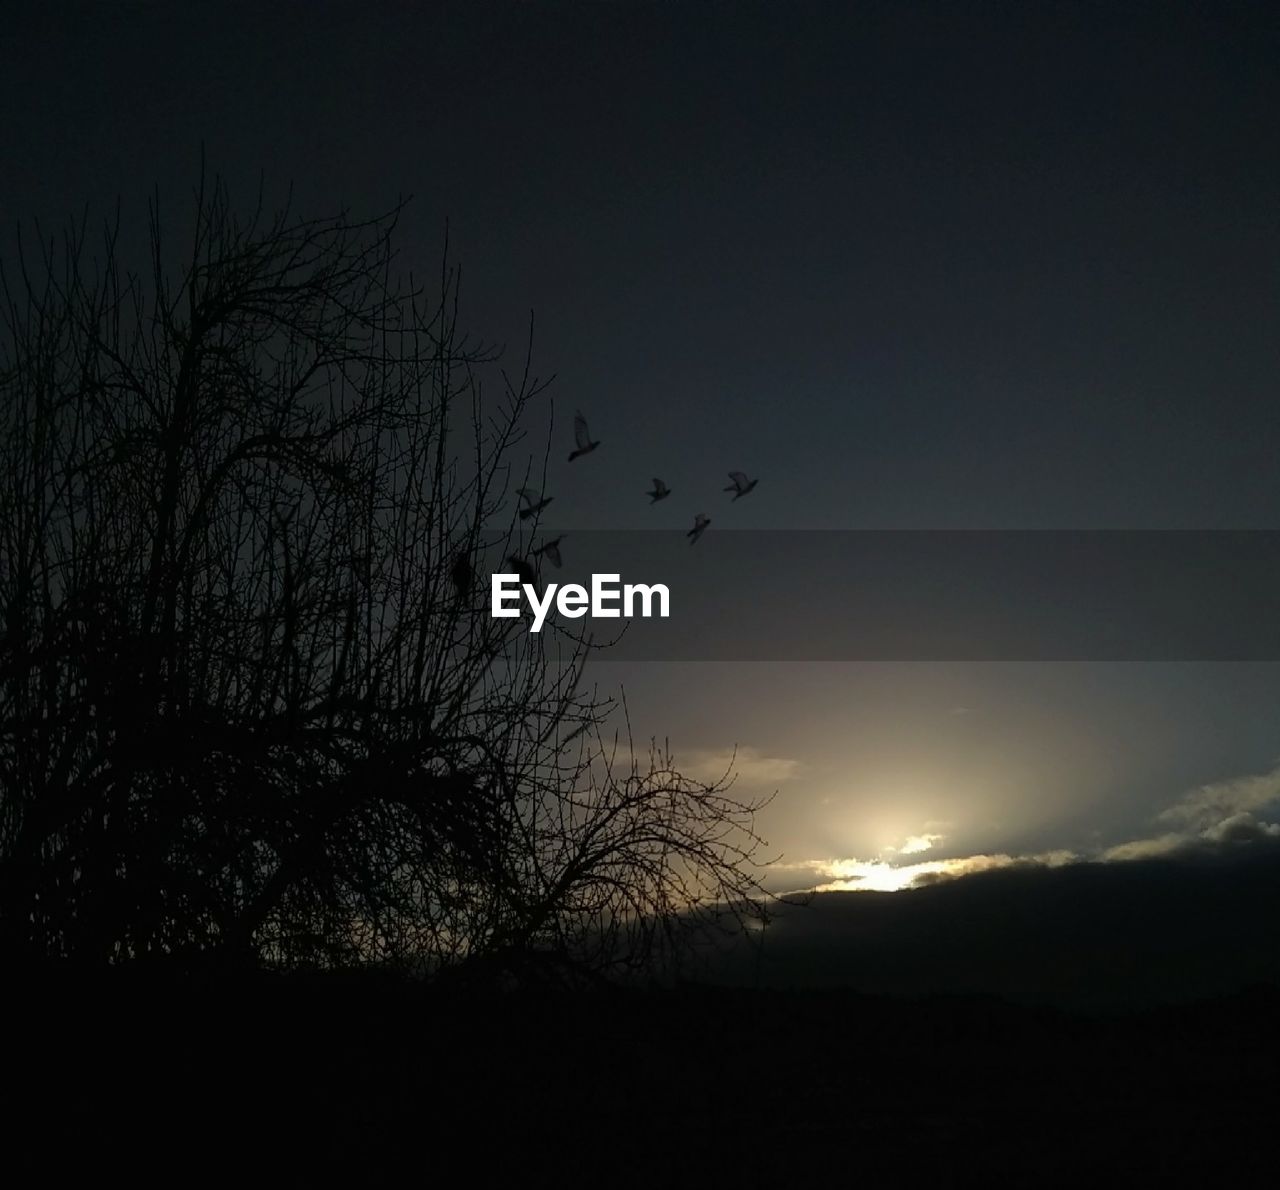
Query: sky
x,y
915,266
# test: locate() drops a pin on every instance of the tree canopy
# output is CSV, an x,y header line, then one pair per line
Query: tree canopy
x,y
253,708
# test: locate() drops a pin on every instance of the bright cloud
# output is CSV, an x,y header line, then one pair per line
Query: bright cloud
x,y
918,843
1153,848
1237,811
878,875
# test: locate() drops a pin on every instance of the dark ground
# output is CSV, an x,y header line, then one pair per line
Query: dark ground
x,y
693,1086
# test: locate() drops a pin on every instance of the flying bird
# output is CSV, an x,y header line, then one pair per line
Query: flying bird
x,y
741,484
700,523
522,568
582,437
534,502
660,491
552,551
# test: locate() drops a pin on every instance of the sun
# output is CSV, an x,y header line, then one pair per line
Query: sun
x,y
859,875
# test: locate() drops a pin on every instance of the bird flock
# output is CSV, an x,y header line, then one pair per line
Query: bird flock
x,y
583,444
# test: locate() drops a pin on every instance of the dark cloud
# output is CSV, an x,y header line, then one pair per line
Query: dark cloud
x,y
1198,923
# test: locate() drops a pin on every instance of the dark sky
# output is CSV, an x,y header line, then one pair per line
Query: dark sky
x,y
916,265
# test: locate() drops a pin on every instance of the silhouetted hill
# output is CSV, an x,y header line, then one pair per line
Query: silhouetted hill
x,y
1087,935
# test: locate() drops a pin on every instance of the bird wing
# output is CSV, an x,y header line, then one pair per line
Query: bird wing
x,y
658,485
580,434
739,479
530,496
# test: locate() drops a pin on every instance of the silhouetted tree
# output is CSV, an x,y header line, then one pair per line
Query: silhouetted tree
x,y
252,704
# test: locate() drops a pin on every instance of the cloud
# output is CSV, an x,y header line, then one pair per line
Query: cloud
x,y
1242,828
1209,806
917,843
878,875
1079,934
1221,813
1167,844
748,765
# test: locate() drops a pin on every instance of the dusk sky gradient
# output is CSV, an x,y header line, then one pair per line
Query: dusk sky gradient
x,y
916,266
